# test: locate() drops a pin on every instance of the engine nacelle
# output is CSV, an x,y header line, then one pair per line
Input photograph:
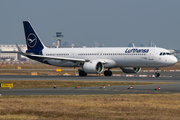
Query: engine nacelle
x,y
93,67
131,69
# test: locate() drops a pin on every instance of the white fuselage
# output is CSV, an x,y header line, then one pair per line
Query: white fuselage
x,y
113,56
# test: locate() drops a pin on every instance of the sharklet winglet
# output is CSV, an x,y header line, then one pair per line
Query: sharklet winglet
x,y
19,49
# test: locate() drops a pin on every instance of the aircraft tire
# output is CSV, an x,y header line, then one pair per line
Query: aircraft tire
x,y
107,73
82,73
157,74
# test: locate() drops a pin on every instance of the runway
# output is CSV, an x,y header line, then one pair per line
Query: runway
x,y
173,77
166,77
137,89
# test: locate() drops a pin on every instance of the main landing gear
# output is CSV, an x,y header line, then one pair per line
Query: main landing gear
x,y
157,74
107,72
82,73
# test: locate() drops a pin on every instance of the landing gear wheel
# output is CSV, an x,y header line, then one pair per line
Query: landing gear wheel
x,y
157,74
82,73
107,73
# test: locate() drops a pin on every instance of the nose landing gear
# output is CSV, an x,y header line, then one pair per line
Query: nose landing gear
x,y
157,74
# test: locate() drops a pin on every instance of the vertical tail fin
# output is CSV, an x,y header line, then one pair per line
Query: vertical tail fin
x,y
32,39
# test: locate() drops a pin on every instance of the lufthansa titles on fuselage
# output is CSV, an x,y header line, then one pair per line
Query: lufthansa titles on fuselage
x,y
135,50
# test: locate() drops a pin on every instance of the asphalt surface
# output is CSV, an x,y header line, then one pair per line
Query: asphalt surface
x,y
137,89
165,77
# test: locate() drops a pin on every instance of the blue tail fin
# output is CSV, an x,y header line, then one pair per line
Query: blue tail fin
x,y
32,39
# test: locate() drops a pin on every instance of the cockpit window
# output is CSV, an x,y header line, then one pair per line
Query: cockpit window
x,y
165,53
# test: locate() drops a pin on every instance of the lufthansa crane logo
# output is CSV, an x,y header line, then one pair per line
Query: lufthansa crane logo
x,y
31,40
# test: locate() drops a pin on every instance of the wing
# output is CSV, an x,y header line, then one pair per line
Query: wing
x,y
57,58
51,57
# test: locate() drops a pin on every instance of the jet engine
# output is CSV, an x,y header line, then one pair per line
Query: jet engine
x,y
131,69
93,67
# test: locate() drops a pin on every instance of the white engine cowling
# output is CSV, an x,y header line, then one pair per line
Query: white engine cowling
x,y
131,69
93,67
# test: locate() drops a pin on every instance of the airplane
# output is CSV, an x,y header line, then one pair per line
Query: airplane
x,y
94,60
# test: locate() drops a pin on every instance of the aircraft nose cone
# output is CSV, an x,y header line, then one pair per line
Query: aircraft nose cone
x,y
174,60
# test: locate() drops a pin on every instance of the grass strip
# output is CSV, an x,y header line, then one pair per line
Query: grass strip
x,y
23,84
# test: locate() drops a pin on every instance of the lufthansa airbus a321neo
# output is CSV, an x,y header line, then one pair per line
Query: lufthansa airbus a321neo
x,y
94,60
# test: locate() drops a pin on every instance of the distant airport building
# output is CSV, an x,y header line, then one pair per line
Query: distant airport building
x,y
7,52
151,44
66,44
96,44
58,38
142,45
131,45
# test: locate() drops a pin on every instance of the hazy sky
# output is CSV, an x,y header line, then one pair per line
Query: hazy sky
x,y
83,22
